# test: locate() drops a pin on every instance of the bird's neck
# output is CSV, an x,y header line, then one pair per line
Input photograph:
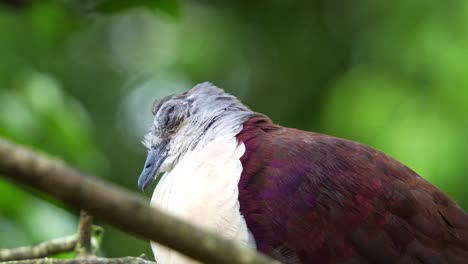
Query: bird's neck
x,y
202,189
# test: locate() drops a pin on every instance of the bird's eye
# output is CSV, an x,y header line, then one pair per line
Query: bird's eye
x,y
171,114
171,118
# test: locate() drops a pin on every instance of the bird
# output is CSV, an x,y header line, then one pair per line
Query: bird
x,y
297,196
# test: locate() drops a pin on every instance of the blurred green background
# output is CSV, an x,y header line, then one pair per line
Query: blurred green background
x,y
78,78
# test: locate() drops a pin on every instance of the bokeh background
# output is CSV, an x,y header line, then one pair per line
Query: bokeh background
x,y
78,78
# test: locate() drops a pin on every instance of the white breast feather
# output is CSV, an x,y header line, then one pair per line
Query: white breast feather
x,y
202,189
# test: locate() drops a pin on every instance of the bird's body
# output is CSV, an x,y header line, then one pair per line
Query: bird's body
x,y
312,198
297,196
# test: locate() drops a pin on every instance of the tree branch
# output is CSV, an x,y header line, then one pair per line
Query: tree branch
x,y
51,247
93,260
121,208
54,246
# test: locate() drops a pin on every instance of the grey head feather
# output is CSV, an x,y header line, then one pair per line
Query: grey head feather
x,y
194,118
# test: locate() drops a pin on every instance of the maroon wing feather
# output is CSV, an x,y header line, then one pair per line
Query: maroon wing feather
x,y
312,198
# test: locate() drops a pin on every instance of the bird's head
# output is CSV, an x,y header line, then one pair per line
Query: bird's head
x,y
185,121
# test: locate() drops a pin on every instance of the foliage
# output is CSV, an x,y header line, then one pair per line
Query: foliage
x,y
77,79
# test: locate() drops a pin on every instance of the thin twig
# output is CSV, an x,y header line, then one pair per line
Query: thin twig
x,y
92,260
83,247
119,207
44,249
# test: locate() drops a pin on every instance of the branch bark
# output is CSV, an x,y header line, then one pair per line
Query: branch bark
x,y
119,207
51,247
93,260
57,245
83,247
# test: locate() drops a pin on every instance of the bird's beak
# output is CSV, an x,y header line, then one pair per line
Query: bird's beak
x,y
156,157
